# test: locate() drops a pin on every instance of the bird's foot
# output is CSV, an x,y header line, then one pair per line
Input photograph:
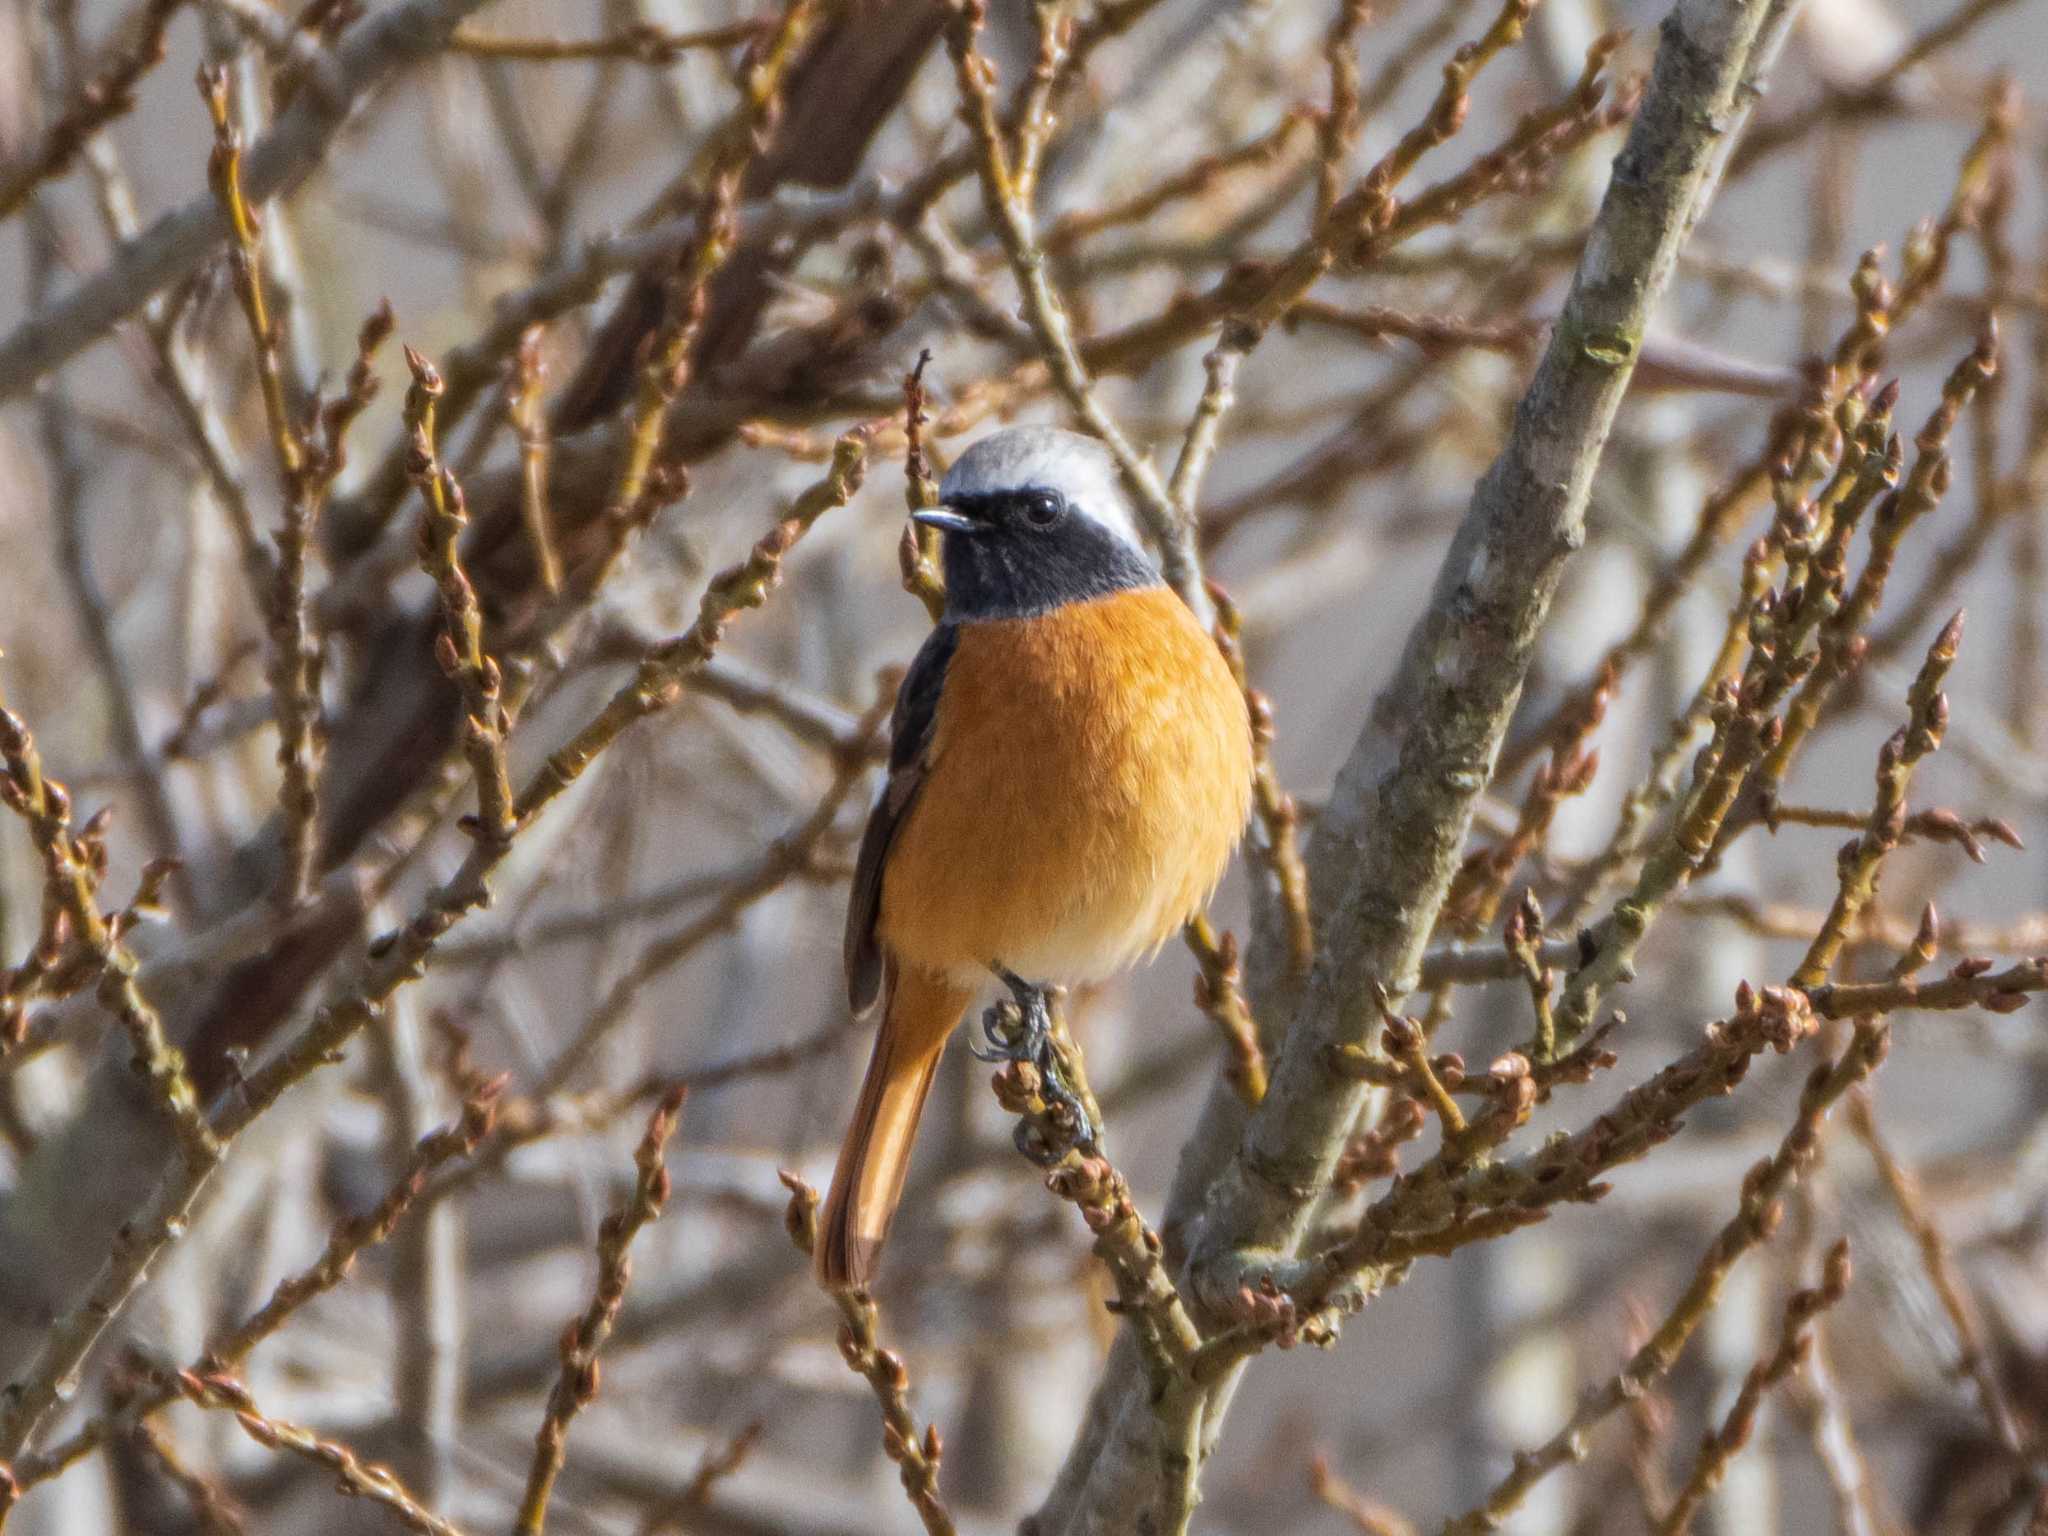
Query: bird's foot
x,y
1025,1034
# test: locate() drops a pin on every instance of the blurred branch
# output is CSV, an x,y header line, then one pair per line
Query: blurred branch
x,y
107,95
577,1386
1976,1359
346,1242
642,43
352,1475
1878,95
396,36
1725,1442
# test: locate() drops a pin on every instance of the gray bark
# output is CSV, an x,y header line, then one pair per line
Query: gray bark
x,y
1390,837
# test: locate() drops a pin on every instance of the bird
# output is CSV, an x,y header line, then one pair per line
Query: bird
x,y
1070,770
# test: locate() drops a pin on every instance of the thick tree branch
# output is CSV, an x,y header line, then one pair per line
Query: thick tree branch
x,y
1402,805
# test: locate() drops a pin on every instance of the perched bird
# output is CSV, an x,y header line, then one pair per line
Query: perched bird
x,y
1070,768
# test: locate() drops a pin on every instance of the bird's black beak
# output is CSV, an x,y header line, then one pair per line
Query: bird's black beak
x,y
946,518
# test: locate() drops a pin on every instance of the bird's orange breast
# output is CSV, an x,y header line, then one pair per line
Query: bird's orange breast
x,y
1089,773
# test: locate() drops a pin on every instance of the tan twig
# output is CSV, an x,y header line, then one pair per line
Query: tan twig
x,y
1337,131
460,646
665,365
1219,993
1368,1516
352,1475
576,1388
1725,1442
1193,183
1753,1225
214,1511
641,43
917,553
718,1462
916,1453
1483,879
529,424
1278,815
1198,446
1860,862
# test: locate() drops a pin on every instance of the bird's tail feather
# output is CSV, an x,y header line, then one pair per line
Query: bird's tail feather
x,y
867,1184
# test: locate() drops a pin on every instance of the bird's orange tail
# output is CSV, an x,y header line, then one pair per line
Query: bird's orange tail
x,y
868,1182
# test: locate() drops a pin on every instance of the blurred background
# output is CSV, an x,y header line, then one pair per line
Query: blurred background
x,y
676,914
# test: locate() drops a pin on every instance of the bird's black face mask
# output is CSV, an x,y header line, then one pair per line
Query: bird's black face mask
x,y
1012,554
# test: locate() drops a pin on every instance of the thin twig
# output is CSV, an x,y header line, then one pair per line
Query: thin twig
x,y
916,1453
352,1475
576,1388
1725,1441
174,246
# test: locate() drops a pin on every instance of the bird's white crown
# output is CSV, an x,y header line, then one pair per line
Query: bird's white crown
x,y
1047,458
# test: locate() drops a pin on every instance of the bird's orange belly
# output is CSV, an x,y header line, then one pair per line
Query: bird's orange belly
x,y
1090,772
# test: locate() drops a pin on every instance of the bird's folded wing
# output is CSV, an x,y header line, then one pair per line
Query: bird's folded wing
x,y
910,738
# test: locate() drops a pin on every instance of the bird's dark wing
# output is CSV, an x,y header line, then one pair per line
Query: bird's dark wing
x,y
910,739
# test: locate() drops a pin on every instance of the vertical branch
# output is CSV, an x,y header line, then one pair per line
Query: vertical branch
x,y
460,646
529,424
1404,799
293,648
916,1454
1278,815
1725,1441
308,457
1006,196
917,553
576,1388
665,365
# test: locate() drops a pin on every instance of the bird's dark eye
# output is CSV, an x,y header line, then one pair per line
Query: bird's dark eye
x,y
1043,508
